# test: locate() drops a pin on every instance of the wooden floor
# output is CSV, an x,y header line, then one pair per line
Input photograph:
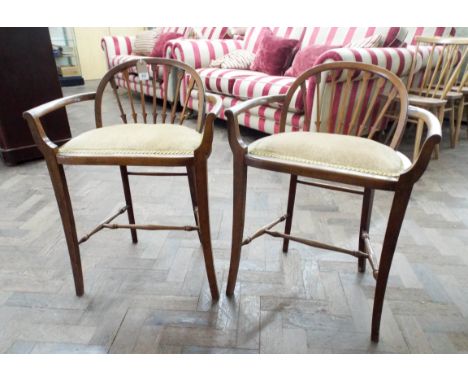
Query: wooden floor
x,y
153,297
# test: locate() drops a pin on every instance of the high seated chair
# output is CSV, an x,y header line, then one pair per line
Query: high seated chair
x,y
347,140
154,137
434,88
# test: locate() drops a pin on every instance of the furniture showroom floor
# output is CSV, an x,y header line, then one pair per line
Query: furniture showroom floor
x,y
154,297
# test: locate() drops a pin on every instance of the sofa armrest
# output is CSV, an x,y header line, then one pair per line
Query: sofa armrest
x,y
199,53
396,60
116,46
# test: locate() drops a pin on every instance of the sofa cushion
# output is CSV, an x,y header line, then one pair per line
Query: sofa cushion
x,y
373,41
259,85
144,42
161,41
253,35
413,32
306,58
116,60
238,59
221,80
332,151
275,54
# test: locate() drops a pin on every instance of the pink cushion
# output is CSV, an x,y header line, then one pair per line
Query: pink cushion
x,y
163,38
306,58
275,54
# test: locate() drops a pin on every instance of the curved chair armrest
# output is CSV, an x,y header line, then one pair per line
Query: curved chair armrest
x,y
216,104
434,135
33,117
235,139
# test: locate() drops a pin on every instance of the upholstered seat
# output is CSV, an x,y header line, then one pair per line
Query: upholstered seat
x,y
134,140
332,151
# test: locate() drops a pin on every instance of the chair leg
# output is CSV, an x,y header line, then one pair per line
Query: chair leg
x,y
440,114
291,199
193,196
453,131
395,221
201,187
238,219
460,110
128,201
367,203
59,183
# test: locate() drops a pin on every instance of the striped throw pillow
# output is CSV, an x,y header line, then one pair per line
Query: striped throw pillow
x,y
238,59
144,42
374,41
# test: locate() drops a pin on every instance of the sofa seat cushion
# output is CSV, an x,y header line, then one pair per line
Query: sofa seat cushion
x,y
221,81
333,152
134,140
259,85
116,60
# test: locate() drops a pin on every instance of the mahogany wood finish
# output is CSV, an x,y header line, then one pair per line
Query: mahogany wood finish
x,y
377,89
435,89
133,110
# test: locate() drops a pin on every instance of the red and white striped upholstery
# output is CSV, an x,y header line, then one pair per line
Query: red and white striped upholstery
x,y
116,46
391,36
116,60
251,39
182,30
199,53
212,33
413,32
396,60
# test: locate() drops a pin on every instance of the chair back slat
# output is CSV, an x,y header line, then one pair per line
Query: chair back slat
x,y
123,116
169,83
351,99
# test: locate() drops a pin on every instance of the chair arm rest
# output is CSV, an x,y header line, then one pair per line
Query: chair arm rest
x,y
235,139
434,135
199,53
33,117
215,102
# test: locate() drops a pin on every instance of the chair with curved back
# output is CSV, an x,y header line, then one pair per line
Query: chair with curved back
x,y
155,136
347,140
435,87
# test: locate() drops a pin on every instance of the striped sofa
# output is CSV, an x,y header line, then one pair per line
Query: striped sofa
x,y
237,85
119,49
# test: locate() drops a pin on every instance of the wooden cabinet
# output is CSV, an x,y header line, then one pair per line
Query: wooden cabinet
x,y
28,78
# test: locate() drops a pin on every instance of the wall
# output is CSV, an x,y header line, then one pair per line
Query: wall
x,y
88,41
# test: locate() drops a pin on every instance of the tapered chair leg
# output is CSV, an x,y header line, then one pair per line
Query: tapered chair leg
x,y
128,201
395,221
238,219
59,183
193,195
460,111
201,187
367,202
291,200
453,129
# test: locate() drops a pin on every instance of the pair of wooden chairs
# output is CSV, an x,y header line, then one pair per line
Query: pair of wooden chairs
x,y
441,87
346,143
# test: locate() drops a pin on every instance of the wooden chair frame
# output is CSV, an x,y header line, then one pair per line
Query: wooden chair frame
x,y
437,91
195,165
365,185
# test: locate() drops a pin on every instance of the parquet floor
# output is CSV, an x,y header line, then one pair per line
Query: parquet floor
x,y
153,297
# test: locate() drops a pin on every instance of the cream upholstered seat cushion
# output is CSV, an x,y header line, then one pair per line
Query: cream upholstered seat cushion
x,y
134,140
334,151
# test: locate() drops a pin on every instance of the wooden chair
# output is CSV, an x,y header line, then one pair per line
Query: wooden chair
x,y
154,137
347,104
433,87
462,87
